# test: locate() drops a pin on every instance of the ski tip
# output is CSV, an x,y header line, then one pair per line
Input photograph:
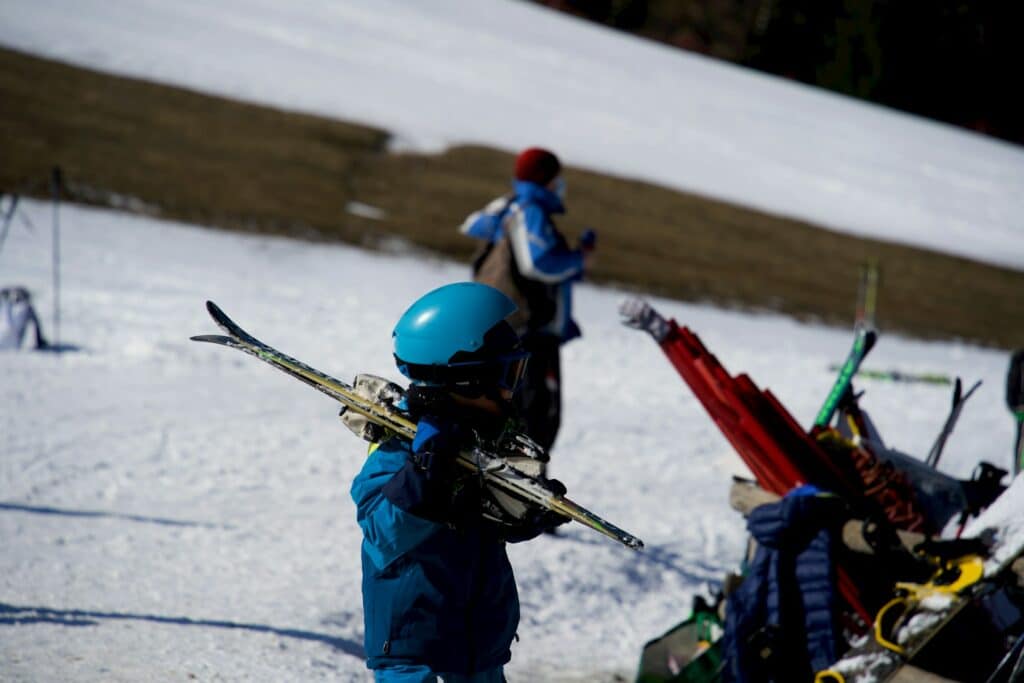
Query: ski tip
x,y
213,308
211,338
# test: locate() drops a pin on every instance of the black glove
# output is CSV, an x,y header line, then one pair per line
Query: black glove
x,y
535,521
547,520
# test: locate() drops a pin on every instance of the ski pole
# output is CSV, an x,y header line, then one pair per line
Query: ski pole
x,y
959,398
55,184
8,216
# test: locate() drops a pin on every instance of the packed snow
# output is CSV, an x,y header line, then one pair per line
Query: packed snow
x,y
512,74
1005,519
175,510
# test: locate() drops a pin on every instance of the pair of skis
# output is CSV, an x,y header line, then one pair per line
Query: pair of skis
x,y
497,471
865,336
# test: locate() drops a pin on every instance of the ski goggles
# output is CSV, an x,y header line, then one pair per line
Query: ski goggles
x,y
504,372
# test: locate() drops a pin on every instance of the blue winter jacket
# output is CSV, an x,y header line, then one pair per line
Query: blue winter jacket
x,y
432,594
787,601
540,250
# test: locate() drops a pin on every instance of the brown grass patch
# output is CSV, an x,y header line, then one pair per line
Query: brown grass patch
x,y
232,165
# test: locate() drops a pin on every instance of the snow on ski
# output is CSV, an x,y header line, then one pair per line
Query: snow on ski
x,y
495,469
922,611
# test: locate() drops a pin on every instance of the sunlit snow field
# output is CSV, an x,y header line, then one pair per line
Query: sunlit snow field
x,y
173,509
512,74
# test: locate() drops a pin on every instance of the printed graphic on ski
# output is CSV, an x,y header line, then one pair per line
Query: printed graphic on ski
x,y
496,470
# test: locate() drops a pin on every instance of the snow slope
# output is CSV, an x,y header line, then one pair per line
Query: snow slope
x,y
174,511
511,74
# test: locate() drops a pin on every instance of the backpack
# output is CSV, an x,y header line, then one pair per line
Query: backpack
x,y
495,265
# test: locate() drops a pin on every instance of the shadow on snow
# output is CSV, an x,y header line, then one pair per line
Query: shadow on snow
x,y
690,570
20,615
60,348
45,510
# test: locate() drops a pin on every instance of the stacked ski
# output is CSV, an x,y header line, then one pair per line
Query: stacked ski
x,y
965,624
496,470
779,453
969,606
919,625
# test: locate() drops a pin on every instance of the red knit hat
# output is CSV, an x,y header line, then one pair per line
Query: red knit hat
x,y
537,165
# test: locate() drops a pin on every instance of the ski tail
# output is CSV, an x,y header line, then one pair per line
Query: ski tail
x,y
336,389
863,342
865,336
867,295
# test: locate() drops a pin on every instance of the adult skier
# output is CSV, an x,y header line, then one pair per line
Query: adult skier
x,y
439,595
16,314
528,258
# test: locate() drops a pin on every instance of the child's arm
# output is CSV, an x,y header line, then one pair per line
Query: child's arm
x,y
404,496
423,486
388,531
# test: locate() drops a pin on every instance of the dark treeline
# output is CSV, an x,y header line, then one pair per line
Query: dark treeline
x,y
951,60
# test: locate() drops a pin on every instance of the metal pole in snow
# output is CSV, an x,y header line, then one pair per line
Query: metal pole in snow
x,y
55,185
8,216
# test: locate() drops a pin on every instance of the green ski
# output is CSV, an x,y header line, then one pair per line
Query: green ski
x,y
864,340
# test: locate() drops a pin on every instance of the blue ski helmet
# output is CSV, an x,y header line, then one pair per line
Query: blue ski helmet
x,y
457,336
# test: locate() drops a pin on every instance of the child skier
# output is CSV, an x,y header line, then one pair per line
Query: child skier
x,y
439,595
